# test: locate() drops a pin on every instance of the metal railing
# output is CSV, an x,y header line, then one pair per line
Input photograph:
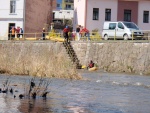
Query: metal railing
x,y
94,36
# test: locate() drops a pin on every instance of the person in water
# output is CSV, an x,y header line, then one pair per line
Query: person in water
x,y
91,64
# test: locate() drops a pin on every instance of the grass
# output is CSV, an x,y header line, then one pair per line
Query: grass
x,y
36,59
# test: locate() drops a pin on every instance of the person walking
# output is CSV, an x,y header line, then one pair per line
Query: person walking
x,y
78,32
43,33
65,33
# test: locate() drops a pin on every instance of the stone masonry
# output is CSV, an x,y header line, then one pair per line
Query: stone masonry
x,y
115,57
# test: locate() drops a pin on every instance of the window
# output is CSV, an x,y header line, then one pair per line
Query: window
x,y
146,17
127,15
108,14
95,13
120,25
58,5
12,6
68,6
131,25
112,25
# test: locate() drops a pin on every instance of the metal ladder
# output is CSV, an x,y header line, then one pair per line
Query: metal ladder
x,y
70,51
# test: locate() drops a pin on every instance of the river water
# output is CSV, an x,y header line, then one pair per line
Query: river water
x,y
101,92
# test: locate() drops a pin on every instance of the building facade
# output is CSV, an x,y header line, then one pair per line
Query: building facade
x,y
63,14
58,4
31,15
11,14
67,4
95,12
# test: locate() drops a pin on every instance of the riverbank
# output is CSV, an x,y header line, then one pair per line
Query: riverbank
x,y
36,59
46,58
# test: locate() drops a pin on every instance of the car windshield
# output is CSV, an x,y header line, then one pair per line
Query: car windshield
x,y
131,25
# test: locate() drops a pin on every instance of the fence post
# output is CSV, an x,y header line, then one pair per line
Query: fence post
x,y
115,35
35,35
23,36
10,36
132,35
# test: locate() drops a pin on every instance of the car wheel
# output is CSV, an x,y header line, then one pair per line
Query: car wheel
x,y
125,37
105,37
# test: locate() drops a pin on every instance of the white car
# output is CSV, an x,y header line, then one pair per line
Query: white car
x,y
121,30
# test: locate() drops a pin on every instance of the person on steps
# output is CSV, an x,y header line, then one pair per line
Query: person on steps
x,y
65,33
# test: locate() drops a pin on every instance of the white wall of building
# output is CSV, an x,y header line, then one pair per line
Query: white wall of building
x,y
63,14
79,13
143,6
6,17
102,5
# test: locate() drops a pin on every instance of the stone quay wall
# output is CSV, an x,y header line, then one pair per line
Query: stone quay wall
x,y
115,57
126,56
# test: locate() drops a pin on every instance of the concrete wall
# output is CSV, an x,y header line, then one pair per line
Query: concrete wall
x,y
112,57
116,57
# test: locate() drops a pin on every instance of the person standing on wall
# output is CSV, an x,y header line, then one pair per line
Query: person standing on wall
x,y
87,33
12,31
78,32
21,33
65,33
18,32
43,33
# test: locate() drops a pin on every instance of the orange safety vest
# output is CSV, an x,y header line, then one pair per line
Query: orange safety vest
x,y
13,31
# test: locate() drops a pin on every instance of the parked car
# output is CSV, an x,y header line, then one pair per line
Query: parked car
x,y
121,30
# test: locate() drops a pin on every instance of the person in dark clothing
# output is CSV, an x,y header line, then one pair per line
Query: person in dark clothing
x,y
65,33
43,33
91,64
21,33
78,32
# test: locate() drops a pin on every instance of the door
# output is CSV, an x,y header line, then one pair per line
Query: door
x,y
119,30
112,30
9,28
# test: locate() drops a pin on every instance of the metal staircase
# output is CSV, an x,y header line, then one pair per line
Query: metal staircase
x,y
70,51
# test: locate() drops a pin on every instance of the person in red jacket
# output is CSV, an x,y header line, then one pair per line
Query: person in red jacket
x,y
91,64
65,33
87,33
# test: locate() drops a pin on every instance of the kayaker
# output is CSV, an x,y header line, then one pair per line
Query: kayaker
x,y
91,64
